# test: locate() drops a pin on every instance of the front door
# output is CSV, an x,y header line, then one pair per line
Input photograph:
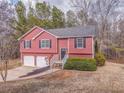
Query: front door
x,y
63,52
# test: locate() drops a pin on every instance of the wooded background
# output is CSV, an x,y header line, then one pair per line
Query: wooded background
x,y
15,20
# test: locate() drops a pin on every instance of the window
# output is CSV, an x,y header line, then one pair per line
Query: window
x,y
80,43
27,44
44,44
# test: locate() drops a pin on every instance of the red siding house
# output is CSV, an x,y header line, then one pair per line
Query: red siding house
x,y
38,44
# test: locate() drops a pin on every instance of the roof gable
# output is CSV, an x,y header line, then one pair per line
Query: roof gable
x,y
41,33
28,32
35,27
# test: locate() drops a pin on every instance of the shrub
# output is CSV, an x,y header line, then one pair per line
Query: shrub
x,y
100,59
81,60
81,64
74,59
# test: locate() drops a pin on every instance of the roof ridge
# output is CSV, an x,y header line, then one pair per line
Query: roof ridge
x,y
71,27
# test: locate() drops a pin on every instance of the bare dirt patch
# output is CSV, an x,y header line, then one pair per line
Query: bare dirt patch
x,y
59,75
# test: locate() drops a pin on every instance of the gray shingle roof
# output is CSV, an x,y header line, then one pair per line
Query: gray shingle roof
x,y
79,31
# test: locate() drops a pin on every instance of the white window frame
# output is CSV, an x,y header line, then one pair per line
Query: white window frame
x,y
45,44
77,42
27,46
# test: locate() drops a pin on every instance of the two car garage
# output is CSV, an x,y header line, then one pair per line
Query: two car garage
x,y
38,61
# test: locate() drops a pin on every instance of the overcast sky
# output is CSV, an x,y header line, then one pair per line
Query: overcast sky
x,y
62,4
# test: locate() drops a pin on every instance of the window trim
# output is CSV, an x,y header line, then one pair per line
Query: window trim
x,y
83,42
40,44
25,41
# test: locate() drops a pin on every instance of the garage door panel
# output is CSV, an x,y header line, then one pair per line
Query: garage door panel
x,y
41,62
29,61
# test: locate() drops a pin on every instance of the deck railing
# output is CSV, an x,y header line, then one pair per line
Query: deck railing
x,y
53,60
64,60
47,61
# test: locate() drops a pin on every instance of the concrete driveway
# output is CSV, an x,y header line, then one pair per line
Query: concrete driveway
x,y
24,72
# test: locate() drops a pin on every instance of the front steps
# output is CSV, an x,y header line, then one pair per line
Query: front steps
x,y
57,65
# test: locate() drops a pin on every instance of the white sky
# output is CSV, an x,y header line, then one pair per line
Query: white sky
x,y
62,4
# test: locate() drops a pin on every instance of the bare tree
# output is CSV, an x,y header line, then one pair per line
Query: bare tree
x,y
71,19
4,49
83,7
7,50
6,19
8,45
121,34
102,10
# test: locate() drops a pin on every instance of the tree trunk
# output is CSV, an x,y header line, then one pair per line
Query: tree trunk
x,y
4,70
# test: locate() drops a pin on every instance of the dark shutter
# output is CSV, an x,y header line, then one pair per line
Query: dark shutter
x,y
75,43
50,44
84,42
30,43
39,43
24,43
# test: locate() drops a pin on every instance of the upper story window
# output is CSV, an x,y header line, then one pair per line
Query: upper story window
x,y
80,43
27,44
44,44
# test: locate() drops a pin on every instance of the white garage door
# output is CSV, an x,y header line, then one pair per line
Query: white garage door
x,y
29,61
41,62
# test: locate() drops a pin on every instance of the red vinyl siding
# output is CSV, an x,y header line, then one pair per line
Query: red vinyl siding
x,y
56,45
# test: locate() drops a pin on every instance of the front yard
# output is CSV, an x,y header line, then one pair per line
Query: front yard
x,y
13,63
107,79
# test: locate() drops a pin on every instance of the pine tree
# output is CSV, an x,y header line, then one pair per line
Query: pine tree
x,y
43,13
20,24
43,10
58,18
32,19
